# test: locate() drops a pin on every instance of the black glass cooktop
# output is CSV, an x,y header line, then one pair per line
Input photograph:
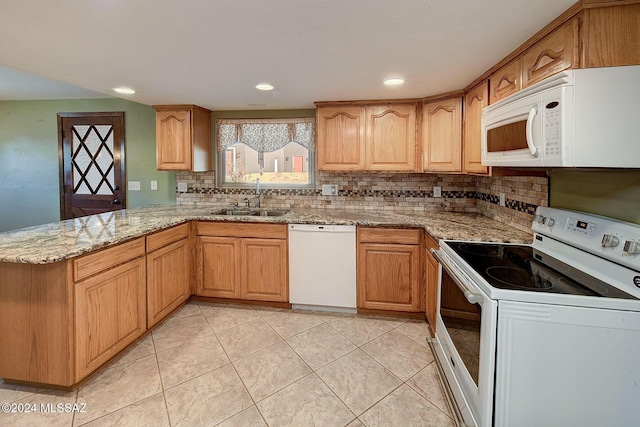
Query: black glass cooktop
x,y
519,267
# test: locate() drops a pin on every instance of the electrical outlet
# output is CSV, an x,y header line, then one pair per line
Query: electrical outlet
x,y
437,191
154,185
502,200
329,190
182,187
133,185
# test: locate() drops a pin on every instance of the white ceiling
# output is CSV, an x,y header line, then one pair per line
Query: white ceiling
x,y
212,52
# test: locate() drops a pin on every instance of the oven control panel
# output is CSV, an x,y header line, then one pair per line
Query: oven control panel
x,y
608,238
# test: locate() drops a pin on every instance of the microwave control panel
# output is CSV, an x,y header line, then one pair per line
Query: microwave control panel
x,y
552,129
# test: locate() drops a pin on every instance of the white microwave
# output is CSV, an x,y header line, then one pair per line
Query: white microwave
x,y
578,118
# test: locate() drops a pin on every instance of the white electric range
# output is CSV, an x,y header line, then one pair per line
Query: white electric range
x,y
553,337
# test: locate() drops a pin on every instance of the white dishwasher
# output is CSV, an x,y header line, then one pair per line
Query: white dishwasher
x,y
322,267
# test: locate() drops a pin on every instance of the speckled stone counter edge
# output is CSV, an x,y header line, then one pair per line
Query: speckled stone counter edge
x,y
58,241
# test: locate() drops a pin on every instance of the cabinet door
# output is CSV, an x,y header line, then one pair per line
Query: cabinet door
x,y
554,53
110,314
388,277
506,81
475,100
442,135
264,270
340,138
391,138
173,140
612,36
167,280
218,267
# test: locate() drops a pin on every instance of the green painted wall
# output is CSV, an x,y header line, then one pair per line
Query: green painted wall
x,y
29,157
614,194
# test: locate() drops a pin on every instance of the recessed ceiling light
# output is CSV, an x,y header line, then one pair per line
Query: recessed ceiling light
x,y
264,86
394,81
125,90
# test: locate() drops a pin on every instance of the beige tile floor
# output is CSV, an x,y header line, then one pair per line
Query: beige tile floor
x,y
230,365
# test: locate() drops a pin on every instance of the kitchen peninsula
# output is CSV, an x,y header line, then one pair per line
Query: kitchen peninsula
x,y
55,279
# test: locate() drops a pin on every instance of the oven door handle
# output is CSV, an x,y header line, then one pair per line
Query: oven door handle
x,y
470,296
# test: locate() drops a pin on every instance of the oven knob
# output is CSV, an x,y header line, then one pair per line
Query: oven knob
x,y
549,221
609,241
631,248
540,219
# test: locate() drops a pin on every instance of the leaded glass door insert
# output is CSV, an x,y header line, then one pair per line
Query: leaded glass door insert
x,y
92,163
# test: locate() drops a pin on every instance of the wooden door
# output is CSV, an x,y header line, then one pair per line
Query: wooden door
x,y
110,314
391,138
91,159
475,100
167,280
298,164
388,277
442,134
218,267
341,135
264,270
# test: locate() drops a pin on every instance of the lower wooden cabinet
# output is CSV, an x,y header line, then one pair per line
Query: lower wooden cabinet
x,y
431,285
389,269
110,314
231,264
167,280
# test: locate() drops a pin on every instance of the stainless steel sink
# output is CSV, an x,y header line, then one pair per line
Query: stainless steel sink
x,y
244,212
270,213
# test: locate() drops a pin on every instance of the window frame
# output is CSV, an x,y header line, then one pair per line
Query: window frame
x,y
221,167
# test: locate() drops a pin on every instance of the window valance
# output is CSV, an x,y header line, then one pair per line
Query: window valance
x,y
266,135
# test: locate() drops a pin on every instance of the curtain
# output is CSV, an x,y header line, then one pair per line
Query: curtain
x,y
266,135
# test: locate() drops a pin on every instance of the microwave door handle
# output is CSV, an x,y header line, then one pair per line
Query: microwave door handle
x,y
532,113
470,296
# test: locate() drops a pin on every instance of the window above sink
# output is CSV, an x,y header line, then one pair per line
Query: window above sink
x,y
279,152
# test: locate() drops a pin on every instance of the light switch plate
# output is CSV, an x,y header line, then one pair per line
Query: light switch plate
x,y
182,187
154,185
329,190
437,191
133,185
502,200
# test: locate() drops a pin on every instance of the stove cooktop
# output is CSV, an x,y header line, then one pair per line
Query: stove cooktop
x,y
521,267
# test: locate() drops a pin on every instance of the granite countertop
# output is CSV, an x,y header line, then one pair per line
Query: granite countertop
x,y
57,241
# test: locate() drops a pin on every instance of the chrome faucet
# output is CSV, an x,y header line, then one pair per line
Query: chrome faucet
x,y
258,192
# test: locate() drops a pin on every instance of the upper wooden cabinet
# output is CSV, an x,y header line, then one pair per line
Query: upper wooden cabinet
x,y
474,101
556,52
611,36
183,138
391,138
379,137
506,81
442,135
340,138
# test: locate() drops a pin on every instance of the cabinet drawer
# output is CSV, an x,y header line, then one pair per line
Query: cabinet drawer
x,y
239,229
431,242
95,262
389,235
165,237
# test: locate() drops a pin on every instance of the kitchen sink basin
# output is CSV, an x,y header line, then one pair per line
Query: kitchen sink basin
x,y
244,212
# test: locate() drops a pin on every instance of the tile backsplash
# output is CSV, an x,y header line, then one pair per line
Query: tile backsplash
x,y
387,192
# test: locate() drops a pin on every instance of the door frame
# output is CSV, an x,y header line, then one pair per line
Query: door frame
x,y
61,164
